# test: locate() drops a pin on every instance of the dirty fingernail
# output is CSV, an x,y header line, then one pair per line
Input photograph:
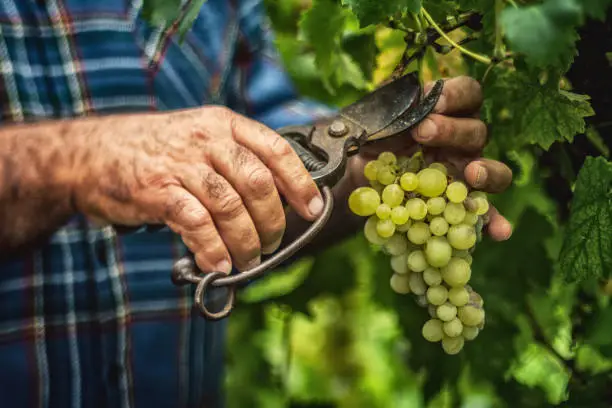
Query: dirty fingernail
x,y
224,266
481,177
267,250
315,206
253,263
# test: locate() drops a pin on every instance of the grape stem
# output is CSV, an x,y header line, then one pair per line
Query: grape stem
x,y
481,58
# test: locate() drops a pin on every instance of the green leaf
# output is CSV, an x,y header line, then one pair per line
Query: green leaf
x,y
596,8
587,248
160,12
322,26
191,14
362,49
545,33
349,72
378,11
523,112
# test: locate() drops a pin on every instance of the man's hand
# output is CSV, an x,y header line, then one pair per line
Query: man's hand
x,y
452,134
210,174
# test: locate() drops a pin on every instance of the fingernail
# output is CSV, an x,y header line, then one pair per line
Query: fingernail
x,y
427,130
508,231
481,177
267,250
224,266
315,206
253,263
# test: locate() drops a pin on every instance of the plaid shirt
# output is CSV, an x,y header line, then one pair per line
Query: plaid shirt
x,y
91,319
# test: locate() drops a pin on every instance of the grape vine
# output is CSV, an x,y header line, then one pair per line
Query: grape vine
x,y
548,334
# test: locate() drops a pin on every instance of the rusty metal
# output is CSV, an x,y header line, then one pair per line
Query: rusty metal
x,y
324,148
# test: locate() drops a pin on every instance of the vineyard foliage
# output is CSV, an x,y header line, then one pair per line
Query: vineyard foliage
x,y
328,330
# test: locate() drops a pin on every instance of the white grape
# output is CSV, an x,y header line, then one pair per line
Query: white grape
x,y
456,192
370,233
446,312
433,330
416,261
417,284
383,211
432,182
457,272
454,213
438,251
416,208
436,205
400,284
397,244
364,201
399,264
462,236
418,233
437,295
452,345
432,276
393,195
385,228
438,226
458,296
470,332
453,328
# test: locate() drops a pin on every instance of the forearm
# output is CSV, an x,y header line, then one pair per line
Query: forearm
x,y
36,164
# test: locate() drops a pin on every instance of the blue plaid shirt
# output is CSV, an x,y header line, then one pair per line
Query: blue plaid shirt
x,y
91,319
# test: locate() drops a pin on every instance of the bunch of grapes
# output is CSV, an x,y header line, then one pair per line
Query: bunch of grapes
x,y
428,221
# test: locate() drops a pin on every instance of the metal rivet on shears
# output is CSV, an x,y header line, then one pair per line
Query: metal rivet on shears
x,y
337,128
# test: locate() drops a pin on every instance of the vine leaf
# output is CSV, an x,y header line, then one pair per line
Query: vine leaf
x,y
374,11
322,25
587,247
159,12
523,112
596,8
545,33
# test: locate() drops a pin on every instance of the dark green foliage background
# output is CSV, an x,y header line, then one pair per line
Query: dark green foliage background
x,y
329,332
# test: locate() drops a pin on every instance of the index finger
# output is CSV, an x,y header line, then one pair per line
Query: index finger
x,y
291,177
461,95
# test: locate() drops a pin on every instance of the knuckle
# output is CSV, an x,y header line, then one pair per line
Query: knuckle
x,y
446,128
230,206
221,112
260,182
280,147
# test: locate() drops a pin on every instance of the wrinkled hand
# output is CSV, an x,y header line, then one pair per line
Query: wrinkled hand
x,y
213,176
453,134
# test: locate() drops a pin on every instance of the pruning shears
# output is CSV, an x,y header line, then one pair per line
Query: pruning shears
x,y
324,148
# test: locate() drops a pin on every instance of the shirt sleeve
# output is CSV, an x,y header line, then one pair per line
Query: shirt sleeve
x,y
260,88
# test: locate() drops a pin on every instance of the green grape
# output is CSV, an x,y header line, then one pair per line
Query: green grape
x,y
456,192
417,284
421,300
432,182
457,273
387,158
364,201
432,276
452,345
432,311
470,204
418,233
470,315
454,213
400,284
385,228
469,259
386,175
437,251
475,299
470,218
393,195
416,261
462,236
377,185
453,328
399,263
402,227
469,332
396,245
383,211
409,181
417,208
432,330
458,296
436,205
440,167
370,231
481,199
438,226
460,253
446,312
370,170
400,215
437,295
